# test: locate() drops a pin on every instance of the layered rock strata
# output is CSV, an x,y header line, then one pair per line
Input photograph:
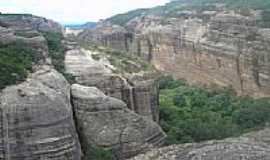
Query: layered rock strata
x,y
37,119
107,122
141,95
225,49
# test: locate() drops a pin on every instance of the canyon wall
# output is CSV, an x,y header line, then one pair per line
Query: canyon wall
x,y
220,48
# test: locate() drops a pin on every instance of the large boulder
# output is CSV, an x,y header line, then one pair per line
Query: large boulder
x,y
37,119
107,122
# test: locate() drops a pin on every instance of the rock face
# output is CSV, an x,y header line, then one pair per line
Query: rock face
x,y
107,122
37,119
247,147
220,47
28,22
141,94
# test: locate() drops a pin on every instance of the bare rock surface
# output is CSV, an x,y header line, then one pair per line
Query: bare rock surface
x,y
141,95
108,123
37,119
254,146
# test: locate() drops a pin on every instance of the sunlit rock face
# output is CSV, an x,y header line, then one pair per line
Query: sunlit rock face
x,y
225,49
37,119
254,146
107,122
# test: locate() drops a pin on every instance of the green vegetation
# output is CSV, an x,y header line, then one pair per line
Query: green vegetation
x,y
193,114
96,153
57,53
122,19
16,60
56,49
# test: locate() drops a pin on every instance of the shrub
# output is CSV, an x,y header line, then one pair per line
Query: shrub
x,y
56,49
16,60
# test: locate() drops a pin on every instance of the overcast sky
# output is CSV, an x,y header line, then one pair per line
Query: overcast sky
x,y
75,11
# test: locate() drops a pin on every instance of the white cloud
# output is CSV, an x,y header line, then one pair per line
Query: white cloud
x,y
75,11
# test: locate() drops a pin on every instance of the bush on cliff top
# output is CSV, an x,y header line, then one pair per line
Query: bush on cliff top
x,y
194,114
16,60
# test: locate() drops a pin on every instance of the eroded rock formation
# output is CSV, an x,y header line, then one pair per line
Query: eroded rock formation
x,y
141,94
107,122
37,119
218,47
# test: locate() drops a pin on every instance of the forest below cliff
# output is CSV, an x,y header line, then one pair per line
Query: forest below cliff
x,y
187,113
192,114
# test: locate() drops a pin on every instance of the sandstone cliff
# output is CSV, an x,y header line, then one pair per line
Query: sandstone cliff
x,y
211,45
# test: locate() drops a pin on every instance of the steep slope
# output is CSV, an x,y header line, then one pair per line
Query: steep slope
x,y
206,42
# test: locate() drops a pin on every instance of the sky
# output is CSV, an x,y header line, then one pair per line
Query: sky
x,y
75,11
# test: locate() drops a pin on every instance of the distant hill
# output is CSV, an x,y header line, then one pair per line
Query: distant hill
x,y
81,26
172,8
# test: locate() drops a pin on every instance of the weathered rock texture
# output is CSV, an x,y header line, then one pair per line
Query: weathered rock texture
x,y
28,22
28,30
141,94
107,122
222,48
37,119
248,148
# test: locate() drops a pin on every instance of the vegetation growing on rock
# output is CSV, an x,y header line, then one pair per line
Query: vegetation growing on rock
x,y
57,52
16,61
193,114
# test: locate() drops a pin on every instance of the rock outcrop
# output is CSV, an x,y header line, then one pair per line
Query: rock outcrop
x,y
37,119
140,94
28,22
220,47
107,122
246,147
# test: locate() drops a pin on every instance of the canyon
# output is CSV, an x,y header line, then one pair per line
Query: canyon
x,y
69,93
216,47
